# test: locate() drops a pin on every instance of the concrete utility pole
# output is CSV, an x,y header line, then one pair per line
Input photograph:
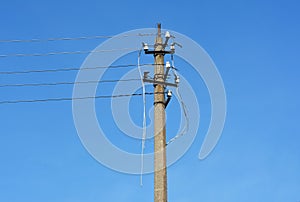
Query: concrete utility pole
x,y
159,82
160,174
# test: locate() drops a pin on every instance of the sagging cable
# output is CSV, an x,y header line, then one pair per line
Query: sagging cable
x,y
182,104
144,119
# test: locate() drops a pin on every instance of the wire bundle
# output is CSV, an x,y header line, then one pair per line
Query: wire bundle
x,y
63,69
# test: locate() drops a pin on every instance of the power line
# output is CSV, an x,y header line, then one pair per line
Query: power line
x,y
72,69
66,83
62,53
76,98
69,38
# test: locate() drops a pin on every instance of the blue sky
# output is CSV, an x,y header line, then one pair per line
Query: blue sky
x,y
255,45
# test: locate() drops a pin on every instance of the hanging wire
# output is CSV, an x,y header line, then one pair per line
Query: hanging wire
x,y
54,39
62,53
71,69
144,119
70,38
70,98
185,112
183,106
65,83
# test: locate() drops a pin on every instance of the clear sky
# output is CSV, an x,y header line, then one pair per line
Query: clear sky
x,y
255,45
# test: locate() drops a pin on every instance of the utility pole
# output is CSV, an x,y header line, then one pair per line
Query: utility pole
x,y
160,174
159,81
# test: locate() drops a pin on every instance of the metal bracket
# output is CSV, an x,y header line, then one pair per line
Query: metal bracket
x,y
160,52
160,82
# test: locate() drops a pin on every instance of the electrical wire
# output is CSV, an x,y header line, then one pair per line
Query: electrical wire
x,y
62,53
144,119
69,38
71,69
183,106
76,98
185,112
65,83
53,39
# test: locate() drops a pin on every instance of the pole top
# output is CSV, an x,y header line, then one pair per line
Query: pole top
x,y
159,28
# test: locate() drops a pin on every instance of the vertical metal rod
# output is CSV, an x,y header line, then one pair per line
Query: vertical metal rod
x,y
160,174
